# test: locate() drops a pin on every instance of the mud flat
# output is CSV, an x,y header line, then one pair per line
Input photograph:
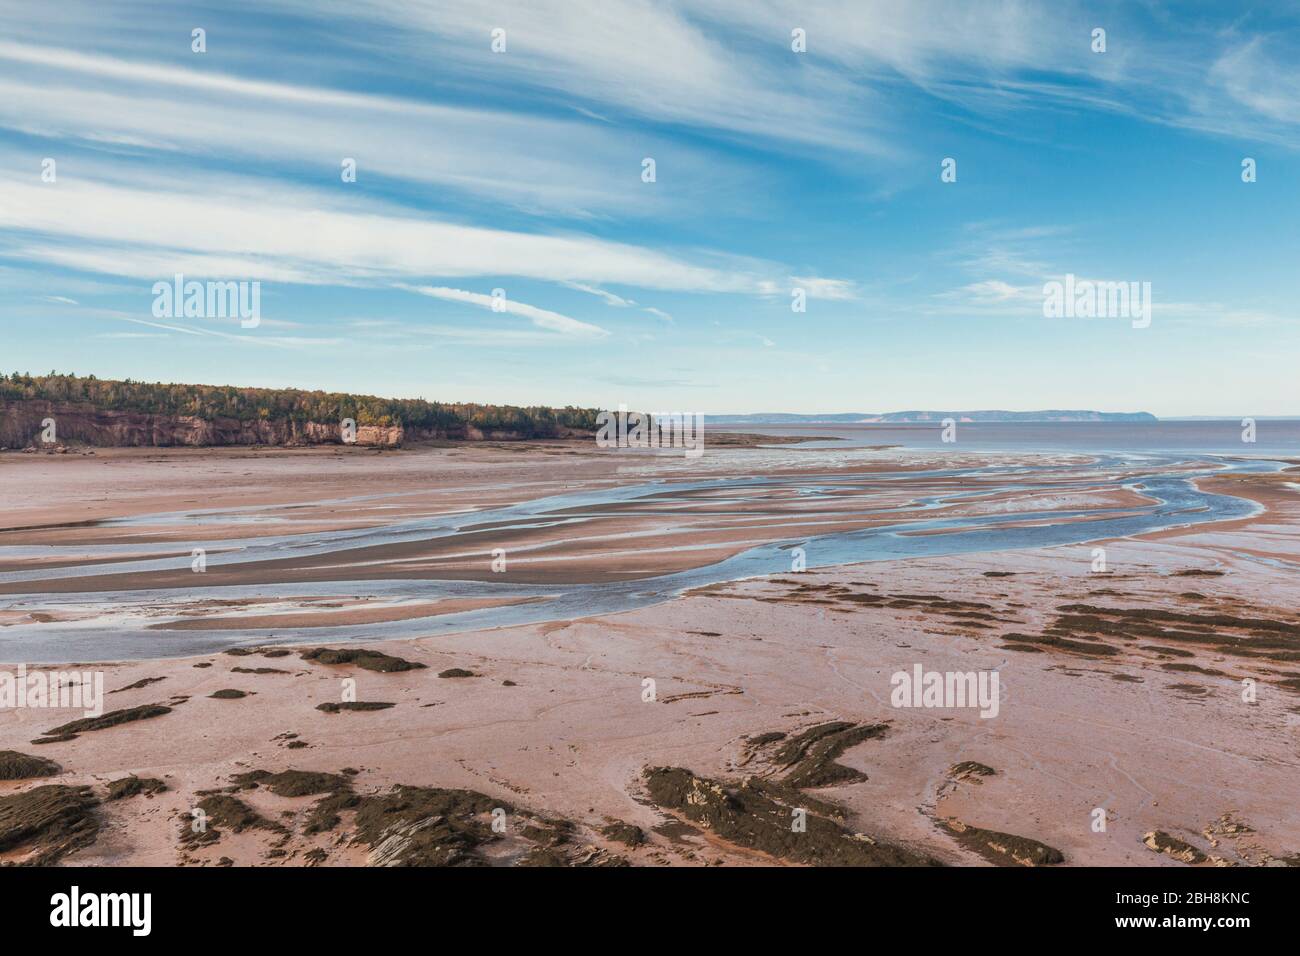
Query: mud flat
x,y
691,732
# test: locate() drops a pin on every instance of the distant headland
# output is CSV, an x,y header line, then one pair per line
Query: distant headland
x,y
909,417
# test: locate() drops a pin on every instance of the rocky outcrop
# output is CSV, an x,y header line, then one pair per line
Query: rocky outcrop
x,y
21,426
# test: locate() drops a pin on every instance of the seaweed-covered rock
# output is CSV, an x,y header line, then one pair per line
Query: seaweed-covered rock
x,y
1003,849
50,821
625,833
1162,842
111,719
331,707
774,820
133,785
811,754
424,826
362,657
220,810
970,768
292,783
17,766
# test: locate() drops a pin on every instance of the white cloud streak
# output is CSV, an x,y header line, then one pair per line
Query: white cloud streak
x,y
541,318
246,229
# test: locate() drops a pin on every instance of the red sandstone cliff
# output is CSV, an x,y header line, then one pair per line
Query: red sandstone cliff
x,y
20,427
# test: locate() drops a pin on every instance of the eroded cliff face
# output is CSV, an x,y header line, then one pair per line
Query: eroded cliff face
x,y
21,426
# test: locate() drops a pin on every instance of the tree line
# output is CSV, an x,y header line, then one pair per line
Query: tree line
x,y
287,404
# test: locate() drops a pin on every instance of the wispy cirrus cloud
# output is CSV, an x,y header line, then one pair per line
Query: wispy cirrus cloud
x,y
242,227
542,318
609,298
726,65
572,169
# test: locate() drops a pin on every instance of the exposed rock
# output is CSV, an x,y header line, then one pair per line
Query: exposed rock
x,y
20,422
624,833
132,785
17,766
362,657
1162,842
812,753
763,817
424,826
330,707
49,822
142,682
968,769
222,810
543,856
111,719
292,783
1003,849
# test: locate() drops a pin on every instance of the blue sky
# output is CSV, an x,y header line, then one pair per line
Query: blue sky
x,y
522,171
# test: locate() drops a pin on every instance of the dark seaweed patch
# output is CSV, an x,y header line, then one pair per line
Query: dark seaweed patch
x,y
292,783
142,682
752,816
970,768
218,811
811,754
362,657
51,821
330,707
16,766
1192,669
111,719
133,785
1162,842
625,833
424,826
1003,849
1059,642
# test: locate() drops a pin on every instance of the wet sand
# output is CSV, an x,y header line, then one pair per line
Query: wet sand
x,y
1120,691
